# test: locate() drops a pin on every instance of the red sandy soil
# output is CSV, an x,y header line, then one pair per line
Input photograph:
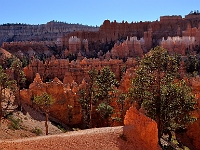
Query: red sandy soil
x,y
99,139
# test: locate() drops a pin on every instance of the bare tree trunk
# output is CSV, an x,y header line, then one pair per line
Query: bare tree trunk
x,y
122,112
107,122
84,119
46,122
18,96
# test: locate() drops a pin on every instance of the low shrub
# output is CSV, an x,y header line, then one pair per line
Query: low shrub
x,y
14,123
37,131
61,128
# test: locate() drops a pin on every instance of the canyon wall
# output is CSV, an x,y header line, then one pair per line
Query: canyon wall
x,y
75,70
43,32
151,32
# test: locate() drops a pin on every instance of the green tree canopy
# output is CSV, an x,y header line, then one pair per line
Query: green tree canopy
x,y
86,99
19,76
168,102
104,90
98,93
44,100
192,63
5,82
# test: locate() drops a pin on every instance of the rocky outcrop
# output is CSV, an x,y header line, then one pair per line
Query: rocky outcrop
x,y
68,71
29,48
91,40
76,45
141,130
66,108
179,45
129,48
151,31
193,131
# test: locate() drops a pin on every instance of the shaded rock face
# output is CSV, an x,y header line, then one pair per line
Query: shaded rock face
x,y
140,130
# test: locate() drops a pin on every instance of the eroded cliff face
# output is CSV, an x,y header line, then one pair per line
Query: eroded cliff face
x,y
91,40
66,108
75,70
49,31
152,32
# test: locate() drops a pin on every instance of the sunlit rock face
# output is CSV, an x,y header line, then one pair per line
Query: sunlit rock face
x,y
66,108
131,47
68,71
178,45
141,130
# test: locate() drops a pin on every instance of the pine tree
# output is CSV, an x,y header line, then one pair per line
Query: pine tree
x,y
5,82
104,91
192,64
44,100
19,76
166,100
86,99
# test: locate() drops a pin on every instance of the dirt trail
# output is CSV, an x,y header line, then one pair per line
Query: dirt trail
x,y
99,138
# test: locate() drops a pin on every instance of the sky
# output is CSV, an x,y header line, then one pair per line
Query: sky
x,y
92,12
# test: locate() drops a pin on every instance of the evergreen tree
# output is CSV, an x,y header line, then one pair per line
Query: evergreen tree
x,y
5,82
192,64
165,100
121,100
86,99
85,106
19,76
44,100
104,91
